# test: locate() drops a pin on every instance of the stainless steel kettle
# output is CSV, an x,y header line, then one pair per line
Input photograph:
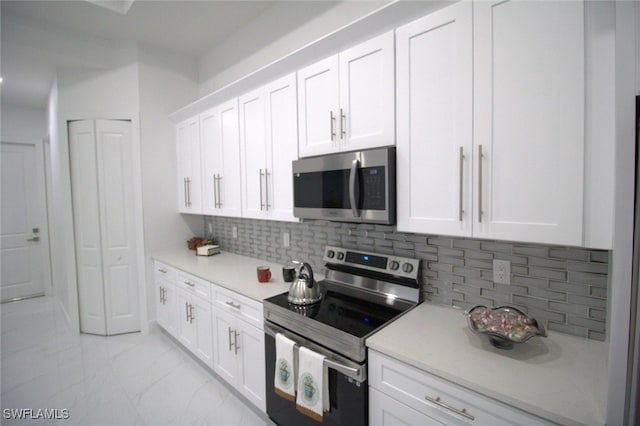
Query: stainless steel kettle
x,y
304,290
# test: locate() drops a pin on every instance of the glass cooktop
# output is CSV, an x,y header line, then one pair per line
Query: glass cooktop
x,y
354,316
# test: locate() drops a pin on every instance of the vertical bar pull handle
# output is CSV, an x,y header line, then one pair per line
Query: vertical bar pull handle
x,y
219,191
230,344
266,187
343,124
332,123
235,342
161,298
460,200
215,191
261,200
186,308
186,204
191,313
480,156
353,182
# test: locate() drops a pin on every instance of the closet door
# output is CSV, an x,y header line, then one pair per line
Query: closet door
x,y
86,217
115,188
104,225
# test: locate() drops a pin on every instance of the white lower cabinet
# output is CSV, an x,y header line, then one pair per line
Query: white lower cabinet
x,y
238,355
402,394
166,297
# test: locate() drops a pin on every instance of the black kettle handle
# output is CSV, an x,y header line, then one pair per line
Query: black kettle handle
x,y
306,266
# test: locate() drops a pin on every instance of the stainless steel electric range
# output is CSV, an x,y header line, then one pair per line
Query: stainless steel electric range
x,y
362,292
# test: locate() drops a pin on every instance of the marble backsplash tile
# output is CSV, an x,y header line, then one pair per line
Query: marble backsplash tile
x,y
563,287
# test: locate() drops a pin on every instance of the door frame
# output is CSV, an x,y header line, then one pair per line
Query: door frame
x,y
42,172
73,316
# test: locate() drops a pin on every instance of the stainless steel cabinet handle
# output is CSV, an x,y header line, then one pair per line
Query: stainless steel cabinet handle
x,y
191,318
188,192
161,296
230,344
343,124
235,342
332,123
266,187
186,203
439,403
353,176
261,201
34,239
189,283
460,200
480,183
233,305
215,191
219,205
186,309
164,271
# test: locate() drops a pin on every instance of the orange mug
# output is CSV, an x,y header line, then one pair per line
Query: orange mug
x,y
264,274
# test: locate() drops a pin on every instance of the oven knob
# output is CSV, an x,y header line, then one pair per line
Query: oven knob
x,y
407,267
331,254
340,255
394,265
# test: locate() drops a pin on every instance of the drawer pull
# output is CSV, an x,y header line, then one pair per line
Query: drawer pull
x,y
164,271
462,412
189,283
233,305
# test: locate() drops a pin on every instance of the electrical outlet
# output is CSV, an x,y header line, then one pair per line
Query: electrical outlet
x,y
234,232
286,239
501,271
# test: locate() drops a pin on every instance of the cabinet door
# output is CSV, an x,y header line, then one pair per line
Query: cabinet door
x,y
318,104
282,146
201,319
367,114
529,120
224,357
189,173
386,411
253,154
186,332
211,160
251,367
434,90
229,186
166,307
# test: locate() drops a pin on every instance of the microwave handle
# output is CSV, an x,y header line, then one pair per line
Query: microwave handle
x,y
353,177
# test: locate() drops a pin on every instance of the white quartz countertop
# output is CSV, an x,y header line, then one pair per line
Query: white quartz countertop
x,y
232,271
561,378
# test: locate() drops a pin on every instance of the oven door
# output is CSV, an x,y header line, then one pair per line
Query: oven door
x,y
348,388
352,187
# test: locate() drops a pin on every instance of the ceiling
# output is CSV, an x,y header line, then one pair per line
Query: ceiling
x,y
29,59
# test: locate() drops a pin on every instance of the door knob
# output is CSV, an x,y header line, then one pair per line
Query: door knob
x,y
34,239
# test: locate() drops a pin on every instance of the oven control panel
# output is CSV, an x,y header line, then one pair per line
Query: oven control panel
x,y
395,265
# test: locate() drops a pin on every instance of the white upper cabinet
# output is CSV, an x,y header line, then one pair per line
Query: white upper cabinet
x,y
529,107
189,169
346,102
434,118
220,158
491,122
268,134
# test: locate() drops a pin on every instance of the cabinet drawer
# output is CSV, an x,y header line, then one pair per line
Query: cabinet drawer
x,y
194,285
238,305
440,399
163,271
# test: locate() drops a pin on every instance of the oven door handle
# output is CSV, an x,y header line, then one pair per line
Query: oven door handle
x,y
353,182
358,374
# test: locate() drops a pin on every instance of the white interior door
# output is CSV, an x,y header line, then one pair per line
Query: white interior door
x,y
115,187
24,252
104,225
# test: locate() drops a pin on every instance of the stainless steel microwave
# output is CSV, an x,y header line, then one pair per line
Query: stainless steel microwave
x,y
347,187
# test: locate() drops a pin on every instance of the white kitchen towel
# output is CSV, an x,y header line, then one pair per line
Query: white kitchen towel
x,y
284,381
313,384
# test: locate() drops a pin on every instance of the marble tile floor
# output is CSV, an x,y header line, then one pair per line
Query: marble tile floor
x,y
130,379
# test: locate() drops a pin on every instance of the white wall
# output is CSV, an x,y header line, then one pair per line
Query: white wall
x,y
167,82
260,42
23,122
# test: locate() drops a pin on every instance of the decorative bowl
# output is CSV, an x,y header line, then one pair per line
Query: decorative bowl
x,y
504,325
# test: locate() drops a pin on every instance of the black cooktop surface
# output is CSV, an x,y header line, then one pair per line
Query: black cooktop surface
x,y
351,315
